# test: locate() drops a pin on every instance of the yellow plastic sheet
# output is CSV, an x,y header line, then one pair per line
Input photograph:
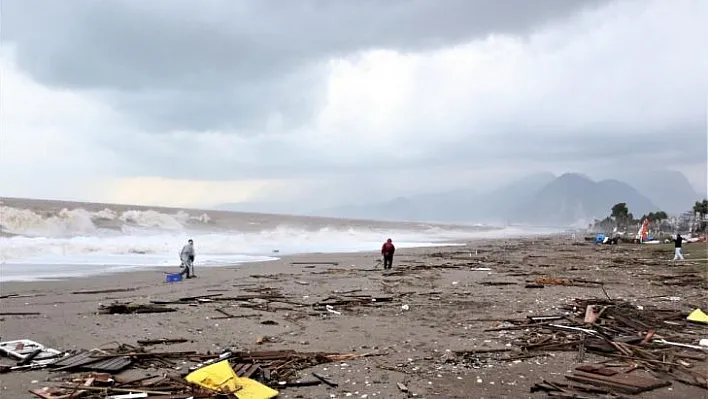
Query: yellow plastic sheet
x,y
698,316
221,377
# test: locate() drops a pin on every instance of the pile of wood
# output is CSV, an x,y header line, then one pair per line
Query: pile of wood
x,y
102,385
277,368
659,341
351,301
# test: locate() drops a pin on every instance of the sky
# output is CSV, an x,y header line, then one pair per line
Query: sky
x,y
319,103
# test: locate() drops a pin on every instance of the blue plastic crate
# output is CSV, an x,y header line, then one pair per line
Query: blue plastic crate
x,y
173,277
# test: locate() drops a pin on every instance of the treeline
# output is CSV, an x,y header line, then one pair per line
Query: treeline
x,y
621,218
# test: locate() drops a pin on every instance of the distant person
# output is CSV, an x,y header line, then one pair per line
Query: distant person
x,y
387,251
187,258
678,243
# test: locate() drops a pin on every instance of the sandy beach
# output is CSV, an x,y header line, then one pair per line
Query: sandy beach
x,y
450,305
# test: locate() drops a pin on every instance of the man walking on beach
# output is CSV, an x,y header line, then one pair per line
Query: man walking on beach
x,y
677,245
387,251
187,258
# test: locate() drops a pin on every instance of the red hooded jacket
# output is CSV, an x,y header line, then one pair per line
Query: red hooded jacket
x,y
388,248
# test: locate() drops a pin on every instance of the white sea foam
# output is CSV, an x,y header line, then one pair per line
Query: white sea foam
x,y
79,221
72,243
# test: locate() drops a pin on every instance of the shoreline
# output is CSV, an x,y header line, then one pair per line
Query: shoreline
x,y
176,268
267,266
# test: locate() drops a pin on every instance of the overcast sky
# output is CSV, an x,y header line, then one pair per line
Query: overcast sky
x,y
194,103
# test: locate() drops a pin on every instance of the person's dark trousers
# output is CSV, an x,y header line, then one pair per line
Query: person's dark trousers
x,y
187,269
388,261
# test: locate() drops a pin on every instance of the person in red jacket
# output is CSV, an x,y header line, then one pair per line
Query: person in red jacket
x,y
387,251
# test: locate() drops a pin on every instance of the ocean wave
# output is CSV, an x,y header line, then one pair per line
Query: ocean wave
x,y
79,222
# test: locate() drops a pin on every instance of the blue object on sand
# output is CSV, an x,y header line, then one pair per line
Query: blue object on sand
x,y
172,277
599,238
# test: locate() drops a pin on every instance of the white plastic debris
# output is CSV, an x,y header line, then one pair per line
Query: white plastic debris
x,y
331,309
405,307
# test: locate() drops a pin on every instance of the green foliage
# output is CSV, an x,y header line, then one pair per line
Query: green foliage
x,y
620,211
655,217
621,215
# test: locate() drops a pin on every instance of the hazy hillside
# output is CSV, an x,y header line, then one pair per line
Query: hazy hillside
x,y
573,198
540,198
669,190
465,205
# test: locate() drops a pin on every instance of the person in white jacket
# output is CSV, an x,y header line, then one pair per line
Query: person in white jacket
x,y
187,258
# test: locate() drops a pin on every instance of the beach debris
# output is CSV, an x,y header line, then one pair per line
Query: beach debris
x,y
94,360
106,291
565,281
239,373
162,341
330,309
632,335
315,263
497,283
698,316
534,286
20,314
221,377
325,380
615,381
129,308
28,354
12,296
402,387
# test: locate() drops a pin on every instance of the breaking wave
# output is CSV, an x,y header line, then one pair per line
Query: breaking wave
x,y
72,222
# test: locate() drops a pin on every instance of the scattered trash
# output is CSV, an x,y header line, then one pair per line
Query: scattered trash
x,y
106,291
698,316
163,341
28,354
622,331
325,380
331,309
220,377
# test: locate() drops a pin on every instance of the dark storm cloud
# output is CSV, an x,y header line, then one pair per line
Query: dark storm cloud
x,y
175,64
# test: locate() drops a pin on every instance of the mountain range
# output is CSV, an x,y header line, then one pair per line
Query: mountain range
x,y
540,199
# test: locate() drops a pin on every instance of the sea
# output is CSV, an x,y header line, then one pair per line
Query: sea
x,y
50,240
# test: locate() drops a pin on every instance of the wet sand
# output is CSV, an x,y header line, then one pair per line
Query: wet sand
x,y
448,310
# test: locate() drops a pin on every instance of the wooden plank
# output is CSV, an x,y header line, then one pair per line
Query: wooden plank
x,y
106,291
617,387
250,371
632,382
593,369
20,313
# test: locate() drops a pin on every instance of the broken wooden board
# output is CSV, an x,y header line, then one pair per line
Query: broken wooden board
x,y
56,393
106,291
128,308
91,362
625,383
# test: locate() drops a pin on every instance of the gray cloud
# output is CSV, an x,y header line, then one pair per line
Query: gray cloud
x,y
474,90
221,64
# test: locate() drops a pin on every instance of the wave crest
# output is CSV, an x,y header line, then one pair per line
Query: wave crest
x,y
78,222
